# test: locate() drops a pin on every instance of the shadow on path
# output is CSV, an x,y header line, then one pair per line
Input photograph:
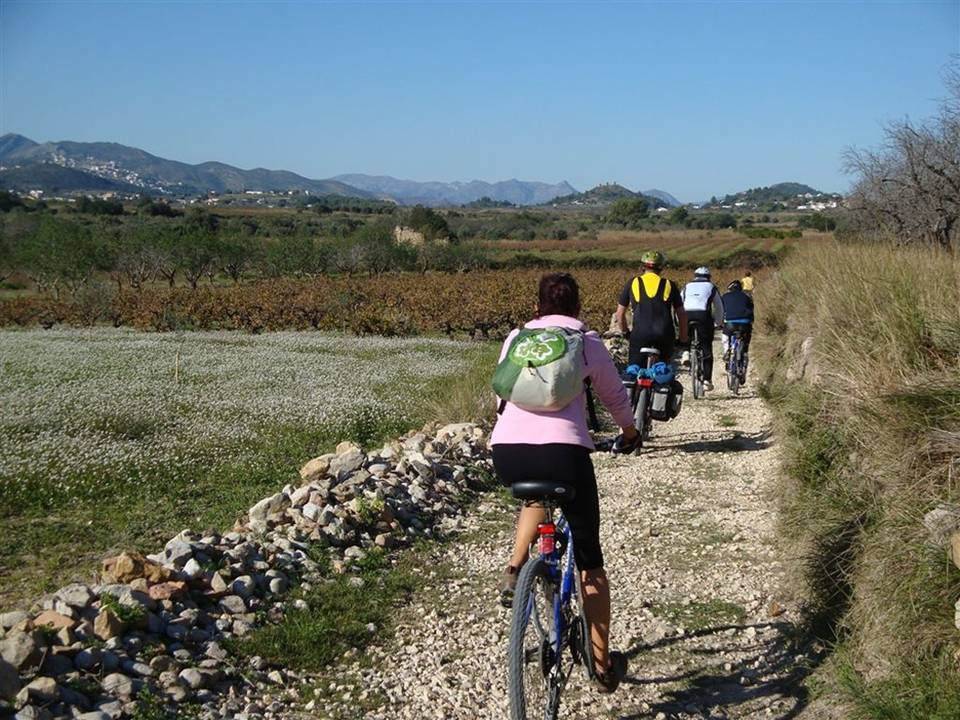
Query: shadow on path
x,y
717,441
774,670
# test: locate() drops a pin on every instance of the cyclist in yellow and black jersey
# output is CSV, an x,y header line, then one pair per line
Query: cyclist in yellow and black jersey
x,y
657,306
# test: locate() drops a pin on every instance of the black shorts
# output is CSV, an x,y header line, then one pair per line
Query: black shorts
x,y
567,464
663,343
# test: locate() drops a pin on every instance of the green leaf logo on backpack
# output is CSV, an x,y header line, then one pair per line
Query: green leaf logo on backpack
x,y
543,369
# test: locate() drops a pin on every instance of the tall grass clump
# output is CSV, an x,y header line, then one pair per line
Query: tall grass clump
x,y
861,350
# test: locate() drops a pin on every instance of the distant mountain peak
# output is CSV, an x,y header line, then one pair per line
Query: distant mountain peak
x,y
605,194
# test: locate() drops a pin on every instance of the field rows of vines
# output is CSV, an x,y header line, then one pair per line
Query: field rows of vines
x,y
484,304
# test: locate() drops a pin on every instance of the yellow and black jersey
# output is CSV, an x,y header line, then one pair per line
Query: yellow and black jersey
x,y
653,299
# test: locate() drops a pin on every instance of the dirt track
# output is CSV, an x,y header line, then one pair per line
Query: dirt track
x,y
688,540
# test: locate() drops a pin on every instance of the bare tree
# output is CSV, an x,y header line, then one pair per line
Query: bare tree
x,y
909,188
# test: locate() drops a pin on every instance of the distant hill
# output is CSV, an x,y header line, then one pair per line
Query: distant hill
x,y
605,194
667,198
781,195
411,192
148,173
54,179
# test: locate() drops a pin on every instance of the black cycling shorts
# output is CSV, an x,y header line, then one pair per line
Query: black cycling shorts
x,y
567,464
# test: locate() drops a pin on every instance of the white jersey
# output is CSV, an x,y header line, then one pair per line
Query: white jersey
x,y
702,296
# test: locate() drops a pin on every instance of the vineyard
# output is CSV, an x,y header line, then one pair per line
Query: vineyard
x,y
484,304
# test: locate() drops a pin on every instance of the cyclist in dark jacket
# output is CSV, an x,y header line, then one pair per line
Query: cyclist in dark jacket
x,y
737,317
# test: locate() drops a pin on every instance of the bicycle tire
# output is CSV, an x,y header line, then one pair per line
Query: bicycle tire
x,y
522,666
696,366
641,418
733,372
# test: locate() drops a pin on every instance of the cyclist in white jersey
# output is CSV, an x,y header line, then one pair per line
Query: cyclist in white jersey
x,y
701,300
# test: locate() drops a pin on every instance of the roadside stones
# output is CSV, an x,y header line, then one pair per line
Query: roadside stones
x,y
76,595
233,604
22,649
193,678
260,512
51,619
88,659
343,464
9,619
204,588
129,566
119,685
317,467
167,590
9,681
42,689
941,523
108,625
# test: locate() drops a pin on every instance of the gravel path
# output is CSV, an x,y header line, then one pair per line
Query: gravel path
x,y
688,539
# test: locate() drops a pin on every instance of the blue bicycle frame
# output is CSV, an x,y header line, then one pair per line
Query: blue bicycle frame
x,y
562,573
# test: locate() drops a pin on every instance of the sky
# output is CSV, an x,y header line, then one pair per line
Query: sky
x,y
695,98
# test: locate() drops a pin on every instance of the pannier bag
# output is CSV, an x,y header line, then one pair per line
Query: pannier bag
x,y
666,400
543,370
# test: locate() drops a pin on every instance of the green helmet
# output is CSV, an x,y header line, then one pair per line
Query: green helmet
x,y
653,259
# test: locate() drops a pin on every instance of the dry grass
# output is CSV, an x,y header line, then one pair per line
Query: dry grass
x,y
869,442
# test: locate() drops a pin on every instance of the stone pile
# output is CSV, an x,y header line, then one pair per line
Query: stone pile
x,y
158,623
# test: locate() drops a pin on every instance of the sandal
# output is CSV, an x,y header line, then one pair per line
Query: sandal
x,y
617,671
508,585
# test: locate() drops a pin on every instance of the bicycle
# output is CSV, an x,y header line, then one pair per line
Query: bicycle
x,y
696,362
549,634
641,390
736,364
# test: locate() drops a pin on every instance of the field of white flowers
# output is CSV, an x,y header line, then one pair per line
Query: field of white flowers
x,y
80,407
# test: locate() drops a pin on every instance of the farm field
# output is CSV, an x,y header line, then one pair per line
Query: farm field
x,y
116,439
488,303
683,248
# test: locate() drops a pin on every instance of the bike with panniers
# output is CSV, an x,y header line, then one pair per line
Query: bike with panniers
x,y
655,393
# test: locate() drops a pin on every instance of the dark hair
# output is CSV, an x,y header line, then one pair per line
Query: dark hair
x,y
559,295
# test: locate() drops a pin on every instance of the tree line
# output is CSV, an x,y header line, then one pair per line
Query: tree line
x,y
63,251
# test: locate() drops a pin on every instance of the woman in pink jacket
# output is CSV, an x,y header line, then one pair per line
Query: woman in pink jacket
x,y
556,446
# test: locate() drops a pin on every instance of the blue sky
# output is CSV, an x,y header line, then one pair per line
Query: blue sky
x,y
696,98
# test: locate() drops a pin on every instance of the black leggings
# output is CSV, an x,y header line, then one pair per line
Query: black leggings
x,y
567,464
638,340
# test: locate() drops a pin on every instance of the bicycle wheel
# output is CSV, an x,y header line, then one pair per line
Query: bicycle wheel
x,y
531,678
641,418
696,367
733,370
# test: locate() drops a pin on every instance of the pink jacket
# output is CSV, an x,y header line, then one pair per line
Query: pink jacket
x,y
569,425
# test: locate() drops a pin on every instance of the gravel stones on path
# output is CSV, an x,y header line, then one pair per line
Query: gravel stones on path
x,y
687,531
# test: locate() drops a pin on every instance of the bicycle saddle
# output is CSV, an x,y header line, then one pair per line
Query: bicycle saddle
x,y
649,351
542,490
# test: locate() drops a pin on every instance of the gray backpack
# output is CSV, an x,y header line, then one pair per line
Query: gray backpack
x,y
544,370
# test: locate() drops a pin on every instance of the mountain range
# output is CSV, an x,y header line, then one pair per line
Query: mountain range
x,y
101,166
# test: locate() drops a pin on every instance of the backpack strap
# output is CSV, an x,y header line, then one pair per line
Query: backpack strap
x,y
588,389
